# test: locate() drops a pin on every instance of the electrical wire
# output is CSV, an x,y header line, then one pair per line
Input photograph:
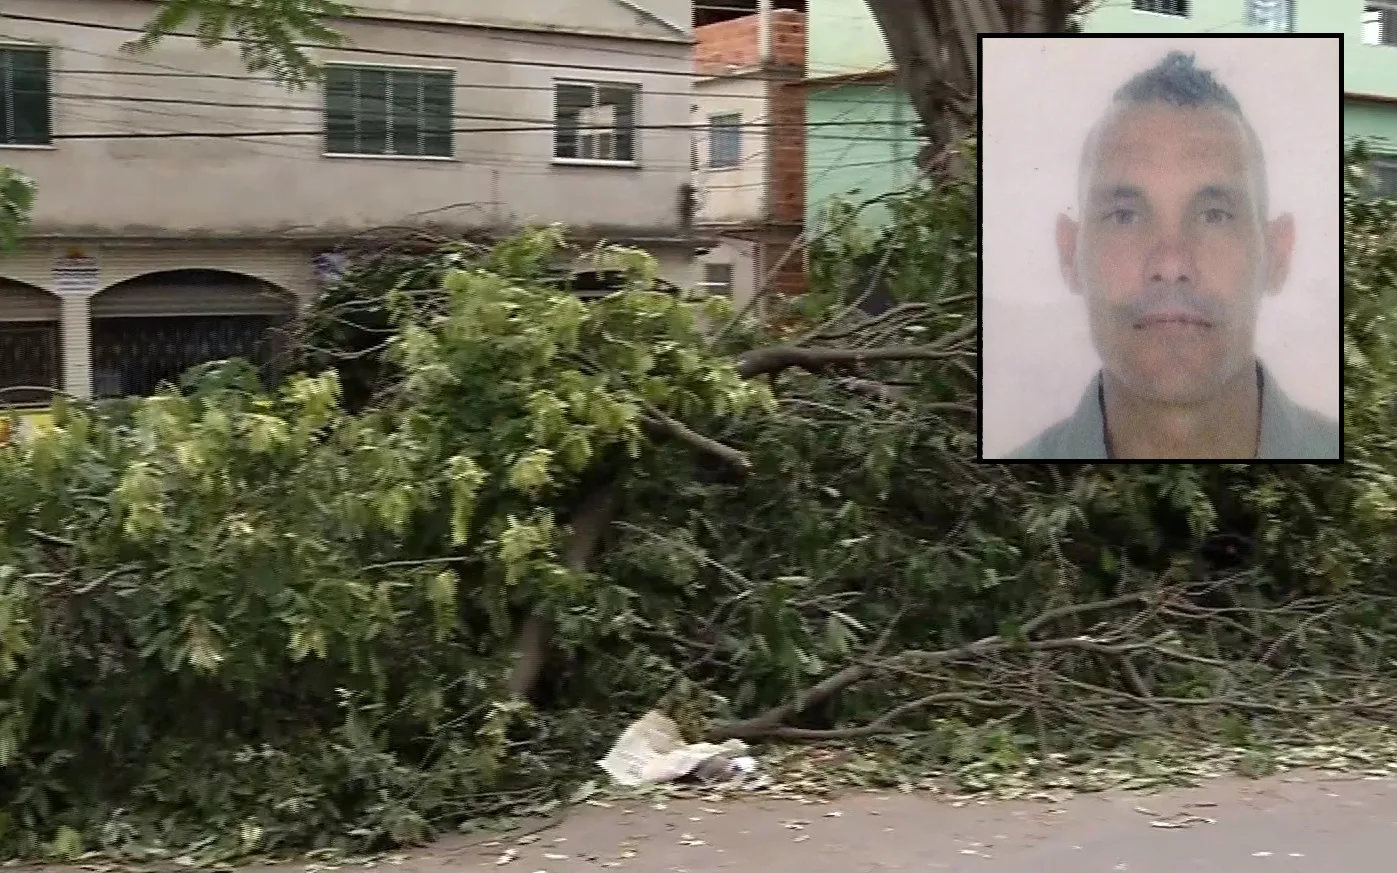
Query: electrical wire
x,y
539,124
686,58
292,151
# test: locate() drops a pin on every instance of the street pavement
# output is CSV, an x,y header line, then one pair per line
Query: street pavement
x,y
1310,822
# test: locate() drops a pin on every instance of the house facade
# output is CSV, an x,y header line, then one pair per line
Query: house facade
x,y
862,140
749,152
188,209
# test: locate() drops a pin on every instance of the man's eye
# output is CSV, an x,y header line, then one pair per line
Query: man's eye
x,y
1217,216
1122,216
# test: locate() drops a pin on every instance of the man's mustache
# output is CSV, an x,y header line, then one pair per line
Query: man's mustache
x,y
1160,299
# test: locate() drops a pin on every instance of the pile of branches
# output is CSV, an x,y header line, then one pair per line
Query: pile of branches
x,y
1168,663
541,516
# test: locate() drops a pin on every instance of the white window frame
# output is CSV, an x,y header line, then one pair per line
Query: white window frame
x,y
1282,20
419,68
1157,7
51,51
1371,27
594,136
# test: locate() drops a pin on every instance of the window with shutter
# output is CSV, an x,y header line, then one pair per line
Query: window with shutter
x,y
725,141
1380,23
1161,7
389,111
717,278
25,112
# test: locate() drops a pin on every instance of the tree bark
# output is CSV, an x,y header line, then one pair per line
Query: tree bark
x,y
591,520
934,46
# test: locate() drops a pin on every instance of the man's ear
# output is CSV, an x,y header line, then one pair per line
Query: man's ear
x,y
1280,243
1067,230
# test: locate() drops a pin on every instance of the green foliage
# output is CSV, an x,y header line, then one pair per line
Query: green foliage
x,y
335,594
16,201
271,35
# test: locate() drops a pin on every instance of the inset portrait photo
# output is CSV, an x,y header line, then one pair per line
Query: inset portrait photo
x,y
1160,246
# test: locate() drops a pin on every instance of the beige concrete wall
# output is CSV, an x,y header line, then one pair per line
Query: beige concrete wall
x,y
118,168
737,194
744,258
645,19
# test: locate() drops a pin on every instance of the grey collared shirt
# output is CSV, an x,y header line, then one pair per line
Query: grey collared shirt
x,y
1289,431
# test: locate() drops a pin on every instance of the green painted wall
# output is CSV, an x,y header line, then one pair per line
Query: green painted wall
x,y
1212,16
860,141
1373,122
1368,69
842,38
873,157
860,144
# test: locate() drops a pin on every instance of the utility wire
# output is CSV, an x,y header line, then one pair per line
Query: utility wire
x,y
686,58
541,127
525,166
165,70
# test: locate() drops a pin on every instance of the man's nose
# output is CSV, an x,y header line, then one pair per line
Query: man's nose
x,y
1171,260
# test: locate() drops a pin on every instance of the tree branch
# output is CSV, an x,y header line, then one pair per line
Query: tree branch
x,y
594,515
663,425
773,359
775,717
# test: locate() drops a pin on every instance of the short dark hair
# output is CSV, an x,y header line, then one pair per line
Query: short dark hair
x,y
1177,81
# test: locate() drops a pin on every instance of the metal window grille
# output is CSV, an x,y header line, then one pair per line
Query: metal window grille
x,y
387,111
30,360
1161,7
133,357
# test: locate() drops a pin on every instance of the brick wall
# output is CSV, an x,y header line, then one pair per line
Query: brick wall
x,y
790,275
733,43
786,153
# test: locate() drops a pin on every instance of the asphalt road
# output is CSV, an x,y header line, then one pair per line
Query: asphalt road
x,y
1307,822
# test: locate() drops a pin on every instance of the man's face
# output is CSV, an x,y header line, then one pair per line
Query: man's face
x,y
1171,251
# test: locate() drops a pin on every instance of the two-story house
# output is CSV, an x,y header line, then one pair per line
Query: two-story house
x,y
184,204
749,149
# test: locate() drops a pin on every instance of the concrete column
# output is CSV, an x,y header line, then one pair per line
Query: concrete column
x,y
76,280
77,345
764,32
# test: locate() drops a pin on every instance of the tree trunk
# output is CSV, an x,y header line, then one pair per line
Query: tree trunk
x,y
934,47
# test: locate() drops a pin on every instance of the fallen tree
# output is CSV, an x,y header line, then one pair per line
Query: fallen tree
x,y
643,500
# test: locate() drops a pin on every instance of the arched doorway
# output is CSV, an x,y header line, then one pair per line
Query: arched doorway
x,y
31,356
150,329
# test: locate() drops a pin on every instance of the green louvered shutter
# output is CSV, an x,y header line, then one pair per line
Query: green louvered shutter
x,y
24,97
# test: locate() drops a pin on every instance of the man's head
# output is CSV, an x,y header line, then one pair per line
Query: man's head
x,y
1173,249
